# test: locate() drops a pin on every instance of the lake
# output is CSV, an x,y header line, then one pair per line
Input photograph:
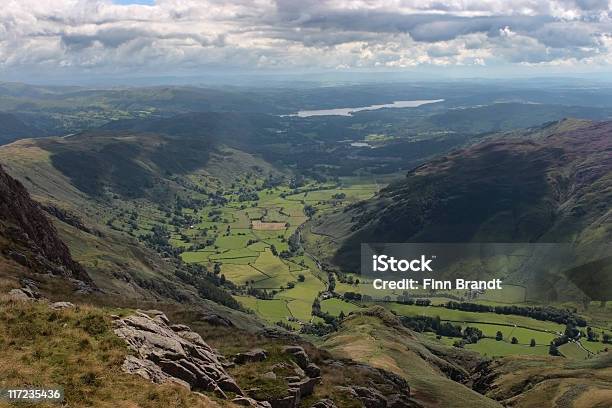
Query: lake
x,y
350,111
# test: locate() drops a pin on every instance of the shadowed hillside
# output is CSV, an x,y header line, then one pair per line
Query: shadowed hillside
x,y
551,185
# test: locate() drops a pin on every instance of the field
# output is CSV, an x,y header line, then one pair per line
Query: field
x,y
248,243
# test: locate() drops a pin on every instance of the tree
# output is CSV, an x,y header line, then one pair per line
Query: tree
x,y
341,316
553,350
532,343
514,340
591,335
301,278
499,336
217,269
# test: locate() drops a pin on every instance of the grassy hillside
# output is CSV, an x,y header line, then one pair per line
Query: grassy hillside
x,y
76,349
376,337
549,185
548,381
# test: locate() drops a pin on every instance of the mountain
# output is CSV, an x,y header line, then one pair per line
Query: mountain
x,y
549,184
13,128
28,238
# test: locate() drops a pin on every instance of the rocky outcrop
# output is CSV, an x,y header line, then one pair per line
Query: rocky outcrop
x,y
299,356
251,356
372,398
29,238
324,403
164,352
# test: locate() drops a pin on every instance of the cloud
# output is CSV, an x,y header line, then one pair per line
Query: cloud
x,y
102,36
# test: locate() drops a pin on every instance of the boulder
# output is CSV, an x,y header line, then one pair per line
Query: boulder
x,y
290,401
172,353
305,386
216,320
312,370
324,403
27,292
251,356
370,397
299,355
250,402
61,305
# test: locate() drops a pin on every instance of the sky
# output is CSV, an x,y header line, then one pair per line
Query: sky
x,y
122,38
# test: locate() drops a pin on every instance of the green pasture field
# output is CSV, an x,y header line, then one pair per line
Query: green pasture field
x,y
464,318
335,306
494,348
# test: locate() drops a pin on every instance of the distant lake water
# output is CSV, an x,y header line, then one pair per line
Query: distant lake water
x,y
350,111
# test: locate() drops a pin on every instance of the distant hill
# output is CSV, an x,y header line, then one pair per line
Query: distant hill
x,y
124,163
13,128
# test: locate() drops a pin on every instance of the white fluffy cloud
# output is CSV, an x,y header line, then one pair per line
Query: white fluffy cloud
x,y
99,36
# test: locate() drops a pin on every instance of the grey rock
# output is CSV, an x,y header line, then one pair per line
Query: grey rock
x,y
324,403
61,305
250,402
269,375
19,258
172,353
28,283
299,355
312,370
370,397
19,294
251,356
28,292
216,320
290,401
305,386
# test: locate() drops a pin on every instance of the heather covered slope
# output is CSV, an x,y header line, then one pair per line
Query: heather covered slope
x,y
551,184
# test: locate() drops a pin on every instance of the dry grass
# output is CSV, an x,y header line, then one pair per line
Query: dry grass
x,y
76,349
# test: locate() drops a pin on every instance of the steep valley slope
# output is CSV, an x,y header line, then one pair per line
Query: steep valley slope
x,y
549,184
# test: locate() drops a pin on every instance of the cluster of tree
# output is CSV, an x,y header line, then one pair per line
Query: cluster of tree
x,y
284,325
159,240
348,279
309,210
248,196
259,293
217,199
548,313
447,329
352,296
293,246
209,285
188,202
329,319
317,329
